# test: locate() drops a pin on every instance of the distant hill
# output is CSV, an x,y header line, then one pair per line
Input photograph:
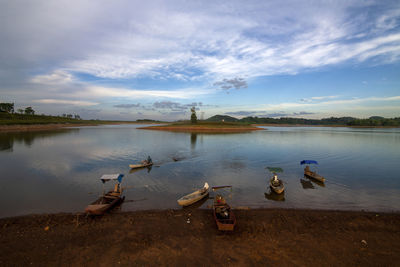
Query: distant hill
x,y
222,118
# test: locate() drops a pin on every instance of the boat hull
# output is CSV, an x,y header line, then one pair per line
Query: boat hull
x,y
137,166
277,188
314,175
188,202
102,205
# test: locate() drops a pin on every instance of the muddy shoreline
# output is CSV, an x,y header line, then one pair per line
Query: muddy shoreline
x,y
262,237
52,126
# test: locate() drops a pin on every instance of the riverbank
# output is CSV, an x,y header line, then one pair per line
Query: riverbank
x,y
39,127
52,126
262,237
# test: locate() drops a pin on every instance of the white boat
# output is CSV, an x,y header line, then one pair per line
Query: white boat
x,y
194,197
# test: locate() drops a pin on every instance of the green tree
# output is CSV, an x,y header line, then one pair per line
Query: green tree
x,y
20,111
193,117
7,107
29,111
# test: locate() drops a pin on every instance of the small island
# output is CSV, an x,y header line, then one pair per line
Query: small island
x,y
205,127
208,126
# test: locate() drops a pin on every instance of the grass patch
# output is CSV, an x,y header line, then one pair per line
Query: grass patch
x,y
23,119
209,124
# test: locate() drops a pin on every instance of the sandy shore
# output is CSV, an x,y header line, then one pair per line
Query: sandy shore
x,y
165,238
200,129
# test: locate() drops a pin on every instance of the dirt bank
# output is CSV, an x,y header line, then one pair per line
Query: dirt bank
x,y
38,127
52,126
262,238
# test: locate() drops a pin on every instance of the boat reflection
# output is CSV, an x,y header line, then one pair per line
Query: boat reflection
x,y
271,195
197,204
306,184
140,169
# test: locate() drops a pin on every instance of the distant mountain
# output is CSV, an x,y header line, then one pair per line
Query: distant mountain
x,y
222,118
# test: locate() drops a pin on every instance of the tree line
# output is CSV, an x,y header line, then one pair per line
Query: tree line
x,y
9,108
348,121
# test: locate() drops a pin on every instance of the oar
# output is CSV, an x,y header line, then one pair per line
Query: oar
x,y
219,187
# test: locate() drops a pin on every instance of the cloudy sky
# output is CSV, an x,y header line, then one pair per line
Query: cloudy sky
x,y
130,60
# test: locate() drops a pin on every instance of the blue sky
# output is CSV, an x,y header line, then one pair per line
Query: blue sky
x,y
131,60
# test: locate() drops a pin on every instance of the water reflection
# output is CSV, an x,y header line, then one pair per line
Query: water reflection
x,y
271,195
148,168
319,183
7,140
53,171
306,184
193,140
197,204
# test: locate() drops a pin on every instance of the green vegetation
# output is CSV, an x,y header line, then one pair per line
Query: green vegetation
x,y
7,107
209,124
223,118
374,121
147,121
24,119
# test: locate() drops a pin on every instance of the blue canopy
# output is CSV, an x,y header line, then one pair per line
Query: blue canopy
x,y
308,162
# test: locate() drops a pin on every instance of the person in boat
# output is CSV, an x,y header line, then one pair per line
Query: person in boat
x,y
307,169
149,160
275,181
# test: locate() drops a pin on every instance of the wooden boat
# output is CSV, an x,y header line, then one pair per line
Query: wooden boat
x,y
223,214
194,197
103,204
108,200
313,175
143,164
276,184
309,173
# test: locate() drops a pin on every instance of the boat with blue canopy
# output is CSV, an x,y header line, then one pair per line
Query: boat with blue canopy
x,y
309,173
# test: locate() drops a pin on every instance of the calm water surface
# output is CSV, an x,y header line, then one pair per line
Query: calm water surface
x,y
59,171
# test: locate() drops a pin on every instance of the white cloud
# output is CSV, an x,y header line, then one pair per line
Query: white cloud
x,y
56,77
336,103
107,92
312,99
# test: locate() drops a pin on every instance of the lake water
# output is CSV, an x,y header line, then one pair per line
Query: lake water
x,y
59,171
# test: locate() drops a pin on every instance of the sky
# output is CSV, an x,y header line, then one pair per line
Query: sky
x,y
129,60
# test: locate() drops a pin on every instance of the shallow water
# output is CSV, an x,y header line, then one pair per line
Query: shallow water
x,y
59,171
